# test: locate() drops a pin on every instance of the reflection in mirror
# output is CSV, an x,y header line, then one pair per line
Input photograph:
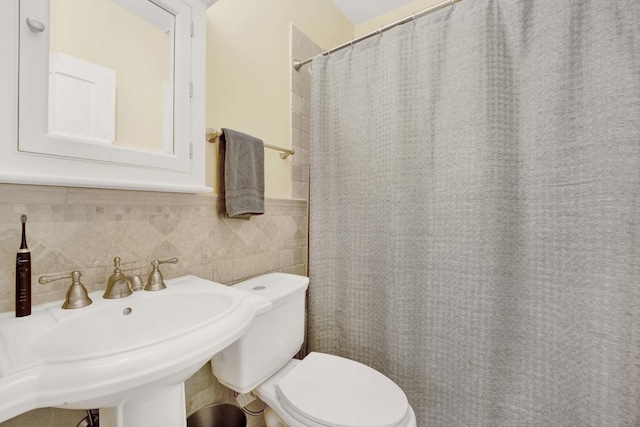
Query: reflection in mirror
x,y
111,73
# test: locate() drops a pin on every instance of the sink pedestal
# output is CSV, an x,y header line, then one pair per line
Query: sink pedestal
x,y
160,407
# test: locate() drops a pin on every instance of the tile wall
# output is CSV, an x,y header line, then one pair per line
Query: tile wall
x,y
302,47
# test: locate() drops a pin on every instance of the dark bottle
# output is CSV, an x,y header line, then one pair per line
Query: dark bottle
x,y
23,275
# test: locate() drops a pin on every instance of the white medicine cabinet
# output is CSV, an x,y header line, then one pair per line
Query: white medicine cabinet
x,y
103,93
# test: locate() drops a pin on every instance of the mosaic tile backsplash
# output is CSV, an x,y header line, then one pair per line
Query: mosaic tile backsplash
x,y
84,229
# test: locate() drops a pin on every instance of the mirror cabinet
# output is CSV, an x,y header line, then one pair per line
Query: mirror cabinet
x,y
103,94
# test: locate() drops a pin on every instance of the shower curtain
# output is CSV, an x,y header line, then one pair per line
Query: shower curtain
x,y
475,211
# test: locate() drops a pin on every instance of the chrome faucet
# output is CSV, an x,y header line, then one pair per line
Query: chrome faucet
x,y
77,295
155,282
121,285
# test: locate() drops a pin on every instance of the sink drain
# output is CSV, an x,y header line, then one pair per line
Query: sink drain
x,y
127,311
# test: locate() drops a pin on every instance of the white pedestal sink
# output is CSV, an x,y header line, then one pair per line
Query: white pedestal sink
x,y
129,357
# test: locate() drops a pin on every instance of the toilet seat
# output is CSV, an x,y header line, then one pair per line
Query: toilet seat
x,y
326,390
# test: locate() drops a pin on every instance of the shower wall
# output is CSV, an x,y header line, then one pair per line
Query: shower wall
x,y
302,47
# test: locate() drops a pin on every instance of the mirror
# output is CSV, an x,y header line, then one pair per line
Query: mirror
x,y
107,81
111,73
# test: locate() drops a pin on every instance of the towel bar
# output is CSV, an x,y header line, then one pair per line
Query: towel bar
x,y
213,135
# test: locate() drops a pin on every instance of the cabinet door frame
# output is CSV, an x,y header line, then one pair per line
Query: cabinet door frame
x,y
21,165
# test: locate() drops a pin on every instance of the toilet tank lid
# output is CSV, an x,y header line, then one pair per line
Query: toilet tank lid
x,y
277,288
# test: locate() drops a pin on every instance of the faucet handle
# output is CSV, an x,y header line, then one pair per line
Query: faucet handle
x,y
77,295
43,280
155,282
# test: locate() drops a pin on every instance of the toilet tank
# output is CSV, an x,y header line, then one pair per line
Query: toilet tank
x,y
273,338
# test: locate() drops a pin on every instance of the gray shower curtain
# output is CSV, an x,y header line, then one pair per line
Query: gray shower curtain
x,y
475,211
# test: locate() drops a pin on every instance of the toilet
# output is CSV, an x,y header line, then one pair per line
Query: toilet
x,y
322,390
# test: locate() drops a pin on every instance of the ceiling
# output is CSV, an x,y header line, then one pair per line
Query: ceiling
x,y
359,11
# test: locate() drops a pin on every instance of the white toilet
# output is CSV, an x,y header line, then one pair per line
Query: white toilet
x,y
319,391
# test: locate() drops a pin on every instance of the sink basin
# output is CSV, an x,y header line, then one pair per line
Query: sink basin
x,y
130,323
129,356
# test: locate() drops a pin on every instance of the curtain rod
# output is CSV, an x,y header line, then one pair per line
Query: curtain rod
x,y
213,135
298,64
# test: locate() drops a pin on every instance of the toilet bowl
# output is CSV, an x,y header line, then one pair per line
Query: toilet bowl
x,y
322,390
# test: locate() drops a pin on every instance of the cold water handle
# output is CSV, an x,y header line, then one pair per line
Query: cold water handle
x,y
155,282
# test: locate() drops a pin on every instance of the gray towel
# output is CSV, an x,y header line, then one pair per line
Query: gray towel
x,y
241,174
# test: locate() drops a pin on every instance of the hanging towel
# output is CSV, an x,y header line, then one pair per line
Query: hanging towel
x,y
241,174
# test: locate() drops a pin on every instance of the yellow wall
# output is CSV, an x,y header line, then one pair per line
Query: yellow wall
x,y
138,51
394,15
248,72
248,69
